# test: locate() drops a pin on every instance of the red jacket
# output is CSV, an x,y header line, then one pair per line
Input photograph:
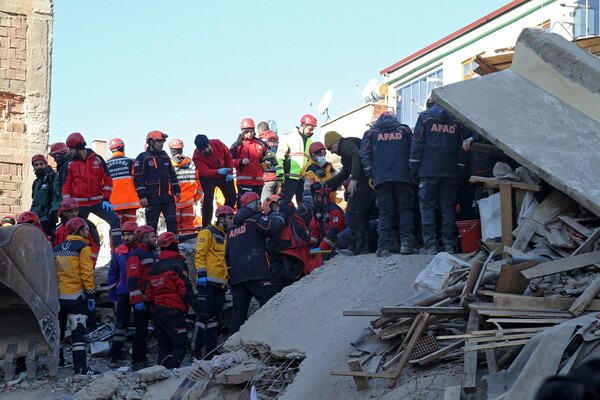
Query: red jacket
x,y
272,141
251,173
324,228
139,262
88,181
208,165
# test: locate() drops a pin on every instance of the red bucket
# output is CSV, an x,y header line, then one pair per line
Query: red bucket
x,y
469,233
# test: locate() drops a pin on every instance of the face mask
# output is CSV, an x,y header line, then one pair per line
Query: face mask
x,y
321,160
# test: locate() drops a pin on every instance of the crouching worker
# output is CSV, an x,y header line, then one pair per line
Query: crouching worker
x,y
212,282
327,219
171,293
76,289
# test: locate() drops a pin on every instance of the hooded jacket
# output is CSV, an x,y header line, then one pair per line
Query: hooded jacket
x,y
252,173
124,196
208,165
61,234
44,201
139,262
117,272
88,181
154,177
210,255
385,150
75,269
436,147
292,154
188,182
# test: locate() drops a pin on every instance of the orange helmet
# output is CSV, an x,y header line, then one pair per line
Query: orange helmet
x,y
129,226
315,147
58,148
224,210
69,204
309,120
156,135
267,208
115,143
76,140
166,238
137,234
248,198
39,157
28,217
176,144
75,224
247,123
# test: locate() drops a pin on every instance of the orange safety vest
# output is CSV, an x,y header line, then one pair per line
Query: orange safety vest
x,y
188,181
123,196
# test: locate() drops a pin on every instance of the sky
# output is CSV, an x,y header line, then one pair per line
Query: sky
x,y
124,68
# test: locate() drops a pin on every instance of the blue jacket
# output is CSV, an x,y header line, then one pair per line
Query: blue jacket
x,y
155,178
246,250
436,148
117,271
385,150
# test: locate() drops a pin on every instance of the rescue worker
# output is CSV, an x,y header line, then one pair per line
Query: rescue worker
x,y
77,290
28,217
318,169
45,202
360,195
156,182
292,154
247,153
249,274
69,209
139,262
213,274
89,182
124,197
119,292
8,220
60,153
327,219
436,161
214,164
190,188
271,139
384,154
171,293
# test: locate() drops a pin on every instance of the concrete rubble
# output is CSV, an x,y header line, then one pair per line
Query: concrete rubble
x,y
154,373
102,388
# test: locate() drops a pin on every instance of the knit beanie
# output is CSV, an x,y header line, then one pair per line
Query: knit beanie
x,y
201,142
330,138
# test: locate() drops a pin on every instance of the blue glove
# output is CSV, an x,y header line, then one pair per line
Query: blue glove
x,y
140,306
91,305
228,178
202,281
316,249
106,206
223,171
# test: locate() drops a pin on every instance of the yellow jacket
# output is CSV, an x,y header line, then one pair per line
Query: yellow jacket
x,y
75,268
314,172
292,154
210,255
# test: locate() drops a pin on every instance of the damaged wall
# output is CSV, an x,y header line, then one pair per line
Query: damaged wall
x,y
25,64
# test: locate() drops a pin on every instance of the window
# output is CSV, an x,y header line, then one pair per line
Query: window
x,y
469,66
587,18
545,25
413,95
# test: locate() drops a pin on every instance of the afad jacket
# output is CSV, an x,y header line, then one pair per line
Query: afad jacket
x,y
155,178
88,181
208,165
139,262
61,234
385,150
169,285
190,187
117,272
252,173
246,245
292,154
210,255
124,196
75,270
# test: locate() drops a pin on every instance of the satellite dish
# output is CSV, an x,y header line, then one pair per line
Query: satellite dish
x,y
325,102
369,88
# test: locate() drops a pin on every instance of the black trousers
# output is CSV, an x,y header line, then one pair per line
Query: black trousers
x,y
291,188
140,346
395,199
168,211
109,216
206,328
121,322
171,331
208,187
242,293
243,189
442,193
357,216
78,343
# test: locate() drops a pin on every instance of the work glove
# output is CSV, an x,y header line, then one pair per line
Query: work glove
x,y
106,206
139,306
372,183
466,145
228,178
316,249
91,305
202,281
245,161
223,171
352,186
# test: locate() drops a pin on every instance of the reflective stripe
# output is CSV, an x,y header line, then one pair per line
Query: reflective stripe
x,y
412,160
212,325
148,261
200,325
122,177
258,178
185,203
292,175
188,215
135,293
80,347
328,241
126,205
107,188
71,296
66,196
97,197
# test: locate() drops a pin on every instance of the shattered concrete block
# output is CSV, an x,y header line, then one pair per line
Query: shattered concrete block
x,y
102,388
238,374
154,373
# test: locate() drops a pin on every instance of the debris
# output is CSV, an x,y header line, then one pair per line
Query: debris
x,y
102,388
154,373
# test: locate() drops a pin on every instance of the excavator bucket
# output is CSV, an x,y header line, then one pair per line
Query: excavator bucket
x,y
28,300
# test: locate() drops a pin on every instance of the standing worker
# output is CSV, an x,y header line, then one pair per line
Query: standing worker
x,y
271,139
190,188
124,197
293,154
89,182
45,202
156,182
247,153
212,282
214,164
384,154
436,162
60,153
69,209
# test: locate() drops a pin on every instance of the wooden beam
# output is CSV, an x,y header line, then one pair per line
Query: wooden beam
x,y
555,321
485,64
588,245
438,353
495,182
472,349
587,232
583,301
361,381
492,362
470,362
506,211
389,312
562,265
530,302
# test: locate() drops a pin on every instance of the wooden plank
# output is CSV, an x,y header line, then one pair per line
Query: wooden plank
x,y
587,232
389,312
501,337
473,349
506,211
524,236
511,280
563,265
495,182
438,353
586,298
485,64
527,320
588,245
476,265
555,303
524,314
469,385
361,381
491,332
482,272
490,357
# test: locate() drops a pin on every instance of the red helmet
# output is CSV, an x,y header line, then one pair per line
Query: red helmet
x,y
270,200
129,226
308,119
58,148
156,135
75,224
247,123
314,147
176,144
28,217
69,204
39,157
224,210
166,238
248,198
115,143
75,139
137,234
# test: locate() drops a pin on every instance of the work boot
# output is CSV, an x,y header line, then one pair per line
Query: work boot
x,y
430,251
448,248
346,252
87,371
383,253
407,250
394,243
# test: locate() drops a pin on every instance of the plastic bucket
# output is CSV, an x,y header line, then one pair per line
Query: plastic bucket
x,y
469,233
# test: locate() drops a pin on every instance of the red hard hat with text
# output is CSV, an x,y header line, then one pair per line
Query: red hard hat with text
x,y
308,119
115,143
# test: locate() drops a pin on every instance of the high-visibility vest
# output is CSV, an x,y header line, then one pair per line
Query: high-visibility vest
x,y
188,181
124,196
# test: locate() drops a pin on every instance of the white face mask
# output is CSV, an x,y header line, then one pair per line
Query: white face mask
x,y
321,160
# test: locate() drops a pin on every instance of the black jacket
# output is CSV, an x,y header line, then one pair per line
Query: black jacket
x,y
154,177
385,150
349,149
246,245
436,147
